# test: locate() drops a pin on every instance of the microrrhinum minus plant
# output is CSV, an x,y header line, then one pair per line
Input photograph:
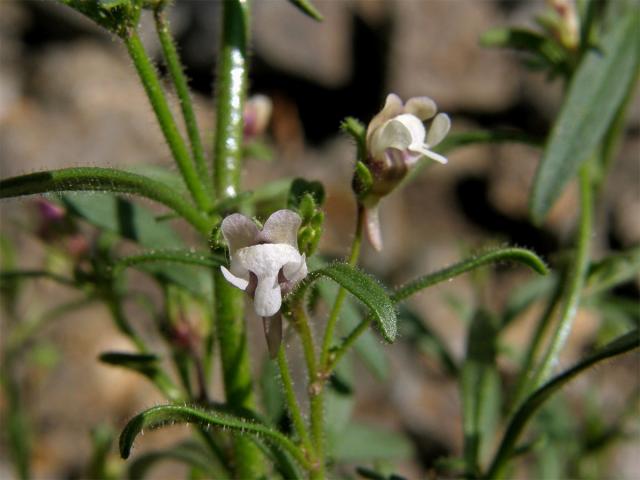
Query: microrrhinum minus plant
x,y
273,266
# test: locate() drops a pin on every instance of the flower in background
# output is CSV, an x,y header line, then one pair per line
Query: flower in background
x,y
566,27
265,263
396,139
257,114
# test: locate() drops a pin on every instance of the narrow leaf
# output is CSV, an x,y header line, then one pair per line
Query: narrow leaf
x,y
480,384
367,346
146,364
169,414
102,180
306,7
598,88
613,270
621,345
362,286
520,255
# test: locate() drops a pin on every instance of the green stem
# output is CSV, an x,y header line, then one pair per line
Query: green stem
x,y
342,292
523,383
182,90
103,180
575,282
151,83
292,402
520,255
314,389
231,93
236,369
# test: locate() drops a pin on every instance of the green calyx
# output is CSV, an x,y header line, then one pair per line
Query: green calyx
x,y
117,16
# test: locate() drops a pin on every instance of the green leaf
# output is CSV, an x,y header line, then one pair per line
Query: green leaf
x,y
525,40
597,90
361,442
169,414
521,298
146,364
306,7
102,438
613,270
85,179
362,286
367,346
116,16
621,345
122,217
480,384
189,452
521,255
301,187
167,265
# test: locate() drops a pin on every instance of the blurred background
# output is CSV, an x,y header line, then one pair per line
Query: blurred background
x,y
69,97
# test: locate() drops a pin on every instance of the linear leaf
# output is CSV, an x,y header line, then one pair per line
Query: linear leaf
x,y
102,180
306,7
362,286
621,345
169,414
146,364
596,92
521,255
361,442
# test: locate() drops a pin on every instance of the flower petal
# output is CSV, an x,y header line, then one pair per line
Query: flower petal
x,y
266,259
392,107
241,283
239,232
439,128
372,225
295,271
399,133
422,107
268,298
282,227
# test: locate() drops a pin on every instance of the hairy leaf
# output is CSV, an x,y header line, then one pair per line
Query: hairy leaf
x,y
169,414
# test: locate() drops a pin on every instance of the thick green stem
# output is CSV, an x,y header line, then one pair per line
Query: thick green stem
x,y
231,93
236,370
575,282
151,83
230,322
182,90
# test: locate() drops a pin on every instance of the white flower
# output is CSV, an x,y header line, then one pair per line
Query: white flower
x,y
265,263
400,127
396,139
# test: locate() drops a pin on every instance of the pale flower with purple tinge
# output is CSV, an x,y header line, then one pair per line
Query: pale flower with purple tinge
x,y
265,263
396,139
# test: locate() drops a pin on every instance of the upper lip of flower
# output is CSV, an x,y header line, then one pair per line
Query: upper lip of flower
x,y
401,127
264,262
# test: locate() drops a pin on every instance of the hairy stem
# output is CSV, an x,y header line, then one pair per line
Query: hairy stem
x,y
575,282
149,77
180,83
292,402
230,322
